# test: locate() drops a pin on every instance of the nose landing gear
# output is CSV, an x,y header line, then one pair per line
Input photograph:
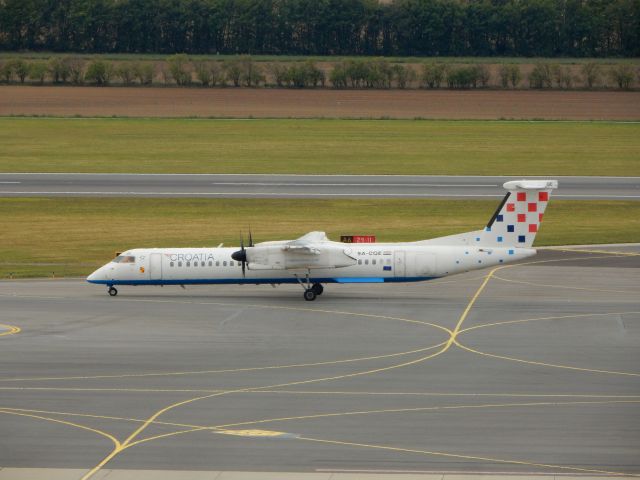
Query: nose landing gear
x,y
113,291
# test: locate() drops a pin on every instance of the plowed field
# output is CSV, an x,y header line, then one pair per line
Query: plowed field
x,y
283,103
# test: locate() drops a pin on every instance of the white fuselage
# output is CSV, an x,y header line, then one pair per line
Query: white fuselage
x,y
313,259
371,263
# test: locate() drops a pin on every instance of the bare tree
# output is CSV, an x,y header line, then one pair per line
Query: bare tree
x,y
622,74
592,74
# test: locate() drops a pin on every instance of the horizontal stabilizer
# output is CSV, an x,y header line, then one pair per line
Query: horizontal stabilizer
x,y
531,185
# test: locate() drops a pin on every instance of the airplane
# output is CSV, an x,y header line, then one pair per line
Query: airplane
x,y
313,260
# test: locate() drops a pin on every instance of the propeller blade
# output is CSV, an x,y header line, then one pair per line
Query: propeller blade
x,y
250,238
241,255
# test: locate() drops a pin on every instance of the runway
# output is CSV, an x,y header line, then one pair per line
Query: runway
x,y
299,186
527,369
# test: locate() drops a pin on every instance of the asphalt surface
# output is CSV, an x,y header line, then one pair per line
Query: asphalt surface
x,y
540,375
299,186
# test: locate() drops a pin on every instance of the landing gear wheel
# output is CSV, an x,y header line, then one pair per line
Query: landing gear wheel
x,y
317,288
113,291
309,295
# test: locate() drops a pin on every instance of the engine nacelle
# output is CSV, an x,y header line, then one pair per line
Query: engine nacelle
x,y
291,257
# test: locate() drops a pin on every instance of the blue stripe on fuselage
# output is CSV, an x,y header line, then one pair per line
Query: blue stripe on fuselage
x,y
259,281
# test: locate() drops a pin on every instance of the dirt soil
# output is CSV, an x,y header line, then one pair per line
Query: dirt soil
x,y
279,103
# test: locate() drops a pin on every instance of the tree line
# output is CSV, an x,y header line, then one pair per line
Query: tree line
x,y
543,28
379,73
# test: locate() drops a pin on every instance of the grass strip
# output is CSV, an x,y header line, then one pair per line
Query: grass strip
x,y
319,146
41,237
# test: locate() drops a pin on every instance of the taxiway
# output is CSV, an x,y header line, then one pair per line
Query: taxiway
x,y
533,370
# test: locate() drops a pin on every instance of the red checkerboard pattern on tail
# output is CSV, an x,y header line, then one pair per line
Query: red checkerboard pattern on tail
x,y
519,216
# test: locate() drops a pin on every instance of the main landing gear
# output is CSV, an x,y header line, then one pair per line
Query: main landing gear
x,y
310,294
113,291
317,288
310,291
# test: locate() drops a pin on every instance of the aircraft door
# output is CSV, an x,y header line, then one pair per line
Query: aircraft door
x,y
400,266
155,266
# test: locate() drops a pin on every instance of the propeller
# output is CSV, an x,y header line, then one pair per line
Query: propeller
x,y
241,255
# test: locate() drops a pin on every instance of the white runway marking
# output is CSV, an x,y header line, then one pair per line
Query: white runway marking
x,y
305,175
253,194
292,194
268,184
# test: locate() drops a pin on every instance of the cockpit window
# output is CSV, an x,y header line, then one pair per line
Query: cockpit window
x,y
124,259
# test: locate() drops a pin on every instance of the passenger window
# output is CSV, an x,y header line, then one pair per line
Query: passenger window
x,y
195,264
366,262
359,262
202,264
179,264
224,264
217,263
188,264
171,264
373,262
231,264
210,263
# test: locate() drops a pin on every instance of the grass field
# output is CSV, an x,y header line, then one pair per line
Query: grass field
x,y
69,237
319,58
319,146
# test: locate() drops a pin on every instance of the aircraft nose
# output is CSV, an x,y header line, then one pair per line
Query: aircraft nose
x,y
95,276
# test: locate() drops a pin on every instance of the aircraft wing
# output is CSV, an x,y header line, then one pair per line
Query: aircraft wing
x,y
313,250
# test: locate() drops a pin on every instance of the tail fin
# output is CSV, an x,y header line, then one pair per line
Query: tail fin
x,y
517,220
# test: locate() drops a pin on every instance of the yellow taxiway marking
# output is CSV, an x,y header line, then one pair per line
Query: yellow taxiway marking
x,y
451,341
252,433
63,422
560,317
578,250
296,392
88,415
272,367
568,287
231,370
467,457
131,440
249,389
224,429
170,434
427,409
470,305
9,330
544,364
606,400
